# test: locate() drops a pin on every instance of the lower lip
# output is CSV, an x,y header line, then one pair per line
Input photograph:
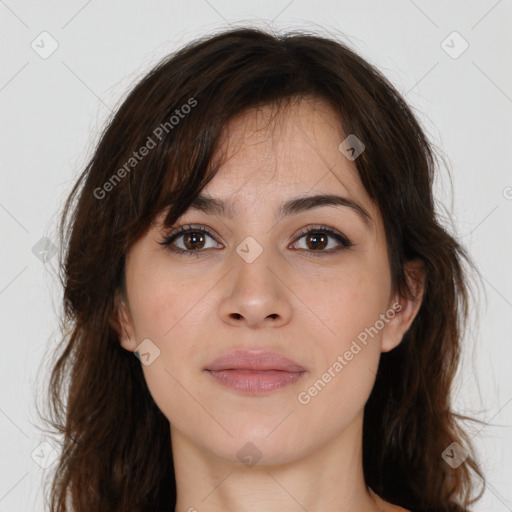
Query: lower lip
x,y
255,382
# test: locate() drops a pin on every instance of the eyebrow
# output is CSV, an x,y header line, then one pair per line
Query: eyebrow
x,y
212,205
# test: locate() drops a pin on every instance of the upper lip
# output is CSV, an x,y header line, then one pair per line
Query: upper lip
x,y
258,360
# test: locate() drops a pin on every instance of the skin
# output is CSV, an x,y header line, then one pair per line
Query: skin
x,y
310,309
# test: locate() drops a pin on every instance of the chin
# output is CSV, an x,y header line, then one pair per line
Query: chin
x,y
252,445
254,453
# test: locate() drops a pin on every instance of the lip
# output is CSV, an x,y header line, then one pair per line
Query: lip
x,y
255,371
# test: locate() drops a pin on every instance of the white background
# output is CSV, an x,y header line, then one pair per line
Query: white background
x,y
52,110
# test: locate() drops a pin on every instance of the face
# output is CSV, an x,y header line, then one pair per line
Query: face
x,y
312,285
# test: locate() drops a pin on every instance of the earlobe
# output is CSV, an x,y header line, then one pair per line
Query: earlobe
x,y
405,308
121,322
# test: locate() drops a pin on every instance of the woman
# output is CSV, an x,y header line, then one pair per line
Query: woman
x,y
257,228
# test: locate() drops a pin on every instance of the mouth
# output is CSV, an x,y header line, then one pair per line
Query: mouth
x,y
255,372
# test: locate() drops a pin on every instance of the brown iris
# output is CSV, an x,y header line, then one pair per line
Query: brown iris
x,y
319,240
193,238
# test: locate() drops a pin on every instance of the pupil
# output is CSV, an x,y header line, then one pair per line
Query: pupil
x,y
191,239
317,239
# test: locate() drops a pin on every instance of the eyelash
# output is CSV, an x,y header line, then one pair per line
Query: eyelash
x,y
345,243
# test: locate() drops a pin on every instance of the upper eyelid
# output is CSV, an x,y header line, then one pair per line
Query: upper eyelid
x,y
203,227
184,228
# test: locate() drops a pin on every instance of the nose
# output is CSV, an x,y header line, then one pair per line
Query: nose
x,y
256,295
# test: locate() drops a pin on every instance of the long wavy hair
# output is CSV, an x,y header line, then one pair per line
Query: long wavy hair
x,y
116,452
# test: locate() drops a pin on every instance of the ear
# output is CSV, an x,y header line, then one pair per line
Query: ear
x,y
405,309
121,321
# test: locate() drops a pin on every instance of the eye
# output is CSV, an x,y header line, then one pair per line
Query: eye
x,y
191,237
317,239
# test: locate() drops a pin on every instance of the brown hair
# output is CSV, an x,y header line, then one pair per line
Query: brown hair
x,y
99,400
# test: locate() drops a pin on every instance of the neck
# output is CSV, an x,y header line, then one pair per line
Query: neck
x,y
327,478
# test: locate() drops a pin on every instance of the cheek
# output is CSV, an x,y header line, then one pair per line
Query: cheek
x,y
349,350
164,315
349,338
166,309
347,304
160,302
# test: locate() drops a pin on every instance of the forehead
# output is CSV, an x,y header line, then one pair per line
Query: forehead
x,y
300,127
273,151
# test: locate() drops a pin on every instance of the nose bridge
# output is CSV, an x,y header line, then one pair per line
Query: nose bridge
x,y
254,264
256,292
